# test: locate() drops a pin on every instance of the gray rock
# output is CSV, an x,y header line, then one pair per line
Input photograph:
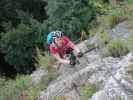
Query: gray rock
x,y
37,75
117,87
87,45
120,31
101,95
72,95
101,75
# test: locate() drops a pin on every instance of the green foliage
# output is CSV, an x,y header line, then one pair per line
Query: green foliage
x,y
118,14
34,91
115,48
10,89
7,25
111,16
18,45
100,6
69,16
87,91
44,60
9,7
130,1
56,98
36,26
22,87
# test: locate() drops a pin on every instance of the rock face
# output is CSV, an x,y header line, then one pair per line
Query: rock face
x,y
37,76
119,85
100,72
120,31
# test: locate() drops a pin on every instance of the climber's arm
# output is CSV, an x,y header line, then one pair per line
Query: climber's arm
x,y
57,57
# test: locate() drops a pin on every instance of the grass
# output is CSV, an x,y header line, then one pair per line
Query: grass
x,y
103,39
111,16
10,89
44,60
33,92
87,91
22,88
115,48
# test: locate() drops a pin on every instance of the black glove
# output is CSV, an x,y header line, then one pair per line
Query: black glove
x,y
72,62
80,54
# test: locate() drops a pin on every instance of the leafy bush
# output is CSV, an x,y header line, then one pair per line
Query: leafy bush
x,y
69,16
22,87
19,44
111,16
115,48
100,6
118,15
35,8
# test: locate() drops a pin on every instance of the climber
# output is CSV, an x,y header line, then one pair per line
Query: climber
x,y
59,44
